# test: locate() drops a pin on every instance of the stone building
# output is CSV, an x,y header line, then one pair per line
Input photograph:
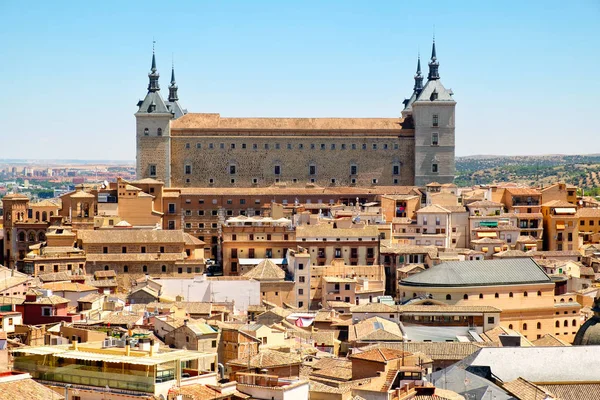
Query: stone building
x,y
22,227
142,251
198,149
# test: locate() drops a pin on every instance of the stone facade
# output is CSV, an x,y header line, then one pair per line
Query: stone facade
x,y
199,149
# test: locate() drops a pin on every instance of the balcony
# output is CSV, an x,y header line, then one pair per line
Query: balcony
x,y
113,378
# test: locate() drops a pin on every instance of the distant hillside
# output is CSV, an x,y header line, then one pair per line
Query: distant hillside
x,y
582,171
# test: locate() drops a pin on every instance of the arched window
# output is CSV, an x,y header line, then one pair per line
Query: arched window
x,y
481,295
466,297
539,325
539,293
448,297
524,327
496,295
21,236
562,300
570,299
37,215
574,322
146,132
41,236
509,326
106,267
557,324
159,131
566,323
414,295
51,213
524,294
510,294
145,268
44,216
31,236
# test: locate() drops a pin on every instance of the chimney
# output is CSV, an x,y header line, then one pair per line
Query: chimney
x,y
74,343
127,347
151,347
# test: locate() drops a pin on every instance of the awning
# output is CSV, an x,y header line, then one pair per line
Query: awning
x,y
530,245
489,224
484,249
497,249
487,234
565,210
560,226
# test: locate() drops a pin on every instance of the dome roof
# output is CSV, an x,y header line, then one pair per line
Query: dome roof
x,y
589,333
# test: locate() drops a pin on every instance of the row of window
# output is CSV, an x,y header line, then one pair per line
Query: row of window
x,y
163,269
124,249
31,237
300,146
496,295
312,170
556,325
159,132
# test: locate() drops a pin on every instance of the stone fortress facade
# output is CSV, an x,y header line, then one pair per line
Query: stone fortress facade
x,y
203,150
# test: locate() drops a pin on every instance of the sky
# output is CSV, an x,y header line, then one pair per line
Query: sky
x,y
524,73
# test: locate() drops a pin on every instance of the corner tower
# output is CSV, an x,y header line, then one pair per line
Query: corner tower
x,y
432,109
153,136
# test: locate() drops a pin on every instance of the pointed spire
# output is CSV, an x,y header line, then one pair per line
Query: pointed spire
x,y
433,64
418,78
153,75
173,86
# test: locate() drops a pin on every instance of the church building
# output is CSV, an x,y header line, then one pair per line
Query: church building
x,y
206,150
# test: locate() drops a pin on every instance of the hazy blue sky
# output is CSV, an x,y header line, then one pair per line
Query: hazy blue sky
x,y
524,73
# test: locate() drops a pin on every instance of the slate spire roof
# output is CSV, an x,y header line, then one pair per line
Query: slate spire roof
x,y
173,87
418,78
433,64
153,76
153,102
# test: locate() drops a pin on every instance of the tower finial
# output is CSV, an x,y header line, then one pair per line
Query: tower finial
x,y
153,75
418,77
173,86
433,64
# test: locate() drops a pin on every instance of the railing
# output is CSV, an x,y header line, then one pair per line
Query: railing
x,y
114,378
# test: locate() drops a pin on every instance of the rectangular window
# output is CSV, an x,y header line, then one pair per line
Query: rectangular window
x,y
171,208
434,120
322,146
171,225
277,147
396,170
124,249
300,267
232,169
232,146
301,279
353,170
251,253
198,145
221,146
277,170
434,139
374,146
312,170
211,146
434,168
152,169
188,169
